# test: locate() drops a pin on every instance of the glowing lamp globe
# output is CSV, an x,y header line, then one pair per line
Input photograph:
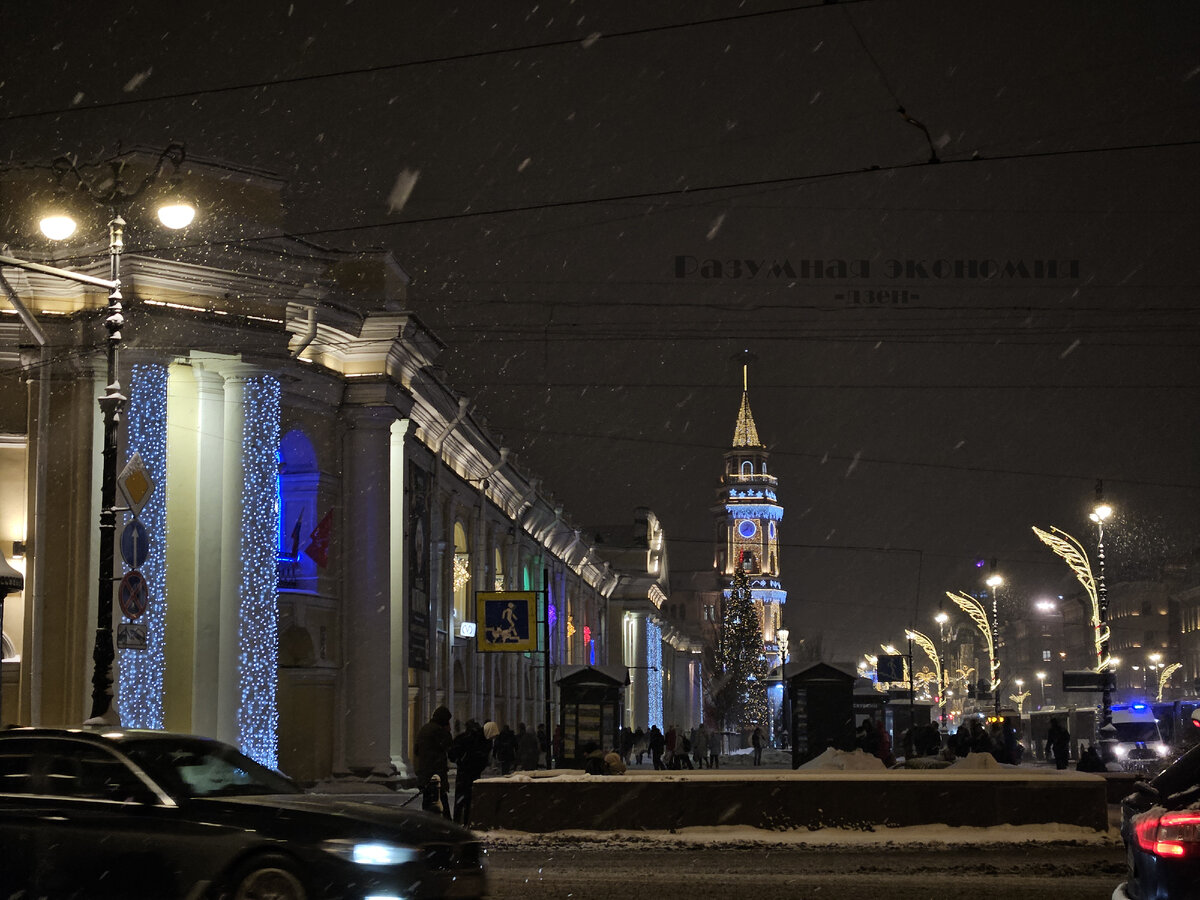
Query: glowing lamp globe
x,y
57,226
176,215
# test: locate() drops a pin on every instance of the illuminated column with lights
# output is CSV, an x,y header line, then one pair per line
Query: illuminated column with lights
x,y
249,614
366,574
140,692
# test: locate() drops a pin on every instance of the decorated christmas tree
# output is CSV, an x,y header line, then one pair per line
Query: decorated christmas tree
x,y
741,674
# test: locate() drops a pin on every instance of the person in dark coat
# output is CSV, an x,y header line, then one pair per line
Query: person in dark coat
x,y
506,749
1058,744
470,751
657,743
429,759
527,748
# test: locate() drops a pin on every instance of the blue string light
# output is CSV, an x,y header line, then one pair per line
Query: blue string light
x,y
140,672
258,606
654,672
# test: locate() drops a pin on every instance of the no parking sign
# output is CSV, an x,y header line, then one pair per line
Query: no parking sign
x,y
133,594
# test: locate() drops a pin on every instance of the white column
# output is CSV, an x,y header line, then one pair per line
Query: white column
x,y
207,550
367,585
398,740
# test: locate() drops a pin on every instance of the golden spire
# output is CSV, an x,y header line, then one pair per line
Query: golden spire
x,y
745,434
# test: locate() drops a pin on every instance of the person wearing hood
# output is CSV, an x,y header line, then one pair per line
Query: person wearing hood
x,y
429,759
470,752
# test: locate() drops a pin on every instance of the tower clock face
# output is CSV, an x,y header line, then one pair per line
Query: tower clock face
x,y
746,528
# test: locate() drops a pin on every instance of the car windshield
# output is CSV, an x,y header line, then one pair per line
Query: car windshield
x,y
1137,732
189,769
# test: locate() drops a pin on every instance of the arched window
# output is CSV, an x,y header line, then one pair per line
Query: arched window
x,y
462,578
747,467
299,478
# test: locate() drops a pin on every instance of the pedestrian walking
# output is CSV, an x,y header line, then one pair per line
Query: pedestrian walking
x,y
505,749
657,744
527,748
1058,744
429,759
758,740
700,748
469,751
714,750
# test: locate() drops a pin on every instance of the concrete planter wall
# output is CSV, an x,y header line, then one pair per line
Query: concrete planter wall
x,y
654,801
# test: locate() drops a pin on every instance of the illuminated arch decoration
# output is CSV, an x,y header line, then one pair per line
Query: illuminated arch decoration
x,y
140,672
258,605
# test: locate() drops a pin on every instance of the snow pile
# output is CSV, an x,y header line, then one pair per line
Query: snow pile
x,y
980,761
843,761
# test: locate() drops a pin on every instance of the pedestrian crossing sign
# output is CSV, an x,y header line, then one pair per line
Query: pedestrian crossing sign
x,y
506,620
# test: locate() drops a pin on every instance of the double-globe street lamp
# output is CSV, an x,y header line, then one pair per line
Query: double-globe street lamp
x,y
105,184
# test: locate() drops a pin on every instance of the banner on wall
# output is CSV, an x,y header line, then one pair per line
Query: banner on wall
x,y
418,568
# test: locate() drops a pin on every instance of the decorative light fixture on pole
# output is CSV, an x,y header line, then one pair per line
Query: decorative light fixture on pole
x,y
978,614
1100,514
1041,677
942,618
993,582
104,184
781,637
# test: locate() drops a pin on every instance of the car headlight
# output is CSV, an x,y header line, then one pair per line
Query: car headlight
x,y
1121,751
371,853
1162,749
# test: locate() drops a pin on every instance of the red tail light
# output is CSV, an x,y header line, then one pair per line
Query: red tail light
x,y
1174,834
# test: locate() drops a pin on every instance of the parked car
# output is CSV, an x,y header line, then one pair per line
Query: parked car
x,y
1160,825
127,813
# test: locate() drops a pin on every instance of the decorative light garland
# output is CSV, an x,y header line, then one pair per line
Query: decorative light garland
x,y
654,673
1072,552
462,570
140,672
258,606
754,511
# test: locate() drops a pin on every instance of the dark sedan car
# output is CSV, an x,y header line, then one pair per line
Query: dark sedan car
x,y
126,813
1160,824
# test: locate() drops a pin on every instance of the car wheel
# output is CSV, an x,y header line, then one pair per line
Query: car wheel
x,y
267,878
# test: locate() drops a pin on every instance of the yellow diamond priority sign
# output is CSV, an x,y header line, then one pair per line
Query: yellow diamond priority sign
x,y
136,484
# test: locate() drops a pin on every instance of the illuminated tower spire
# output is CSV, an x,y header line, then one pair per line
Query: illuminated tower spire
x,y
745,434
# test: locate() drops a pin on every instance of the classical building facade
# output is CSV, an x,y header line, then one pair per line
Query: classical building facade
x,y
325,505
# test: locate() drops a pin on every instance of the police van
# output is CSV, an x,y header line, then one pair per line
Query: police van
x,y
1139,743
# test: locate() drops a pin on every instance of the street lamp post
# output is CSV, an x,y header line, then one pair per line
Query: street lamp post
x,y
1041,677
110,190
781,636
942,618
1101,514
993,582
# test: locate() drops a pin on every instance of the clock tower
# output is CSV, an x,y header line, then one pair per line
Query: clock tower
x,y
747,517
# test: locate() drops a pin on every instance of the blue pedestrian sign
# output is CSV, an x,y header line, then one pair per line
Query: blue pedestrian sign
x,y
506,620
135,544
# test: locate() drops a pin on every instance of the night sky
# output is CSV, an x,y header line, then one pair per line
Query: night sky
x,y
1004,308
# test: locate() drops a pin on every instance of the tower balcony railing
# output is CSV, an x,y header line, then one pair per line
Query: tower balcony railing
x,y
756,478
